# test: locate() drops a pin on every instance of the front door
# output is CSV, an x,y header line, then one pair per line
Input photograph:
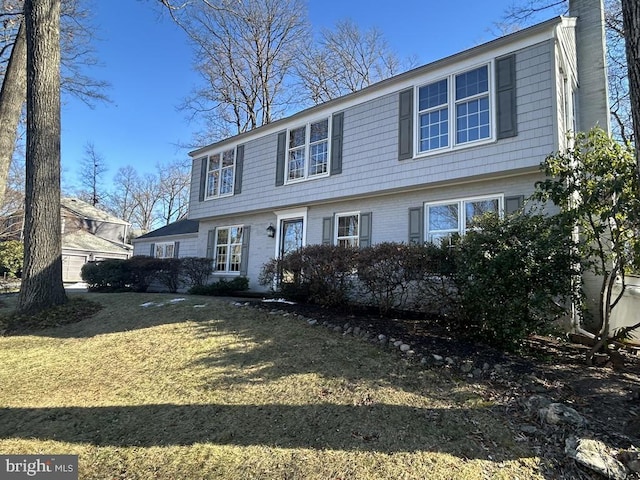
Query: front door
x,y
291,235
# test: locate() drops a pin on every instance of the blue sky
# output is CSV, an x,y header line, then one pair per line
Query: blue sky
x,y
147,60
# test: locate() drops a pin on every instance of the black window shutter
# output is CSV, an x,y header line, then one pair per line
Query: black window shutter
x,y
244,261
280,158
176,249
152,252
364,239
513,204
405,125
327,231
237,182
203,177
337,123
416,228
210,243
506,97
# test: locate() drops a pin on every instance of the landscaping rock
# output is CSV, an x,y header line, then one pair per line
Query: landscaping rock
x,y
466,366
559,414
404,347
594,455
382,338
630,459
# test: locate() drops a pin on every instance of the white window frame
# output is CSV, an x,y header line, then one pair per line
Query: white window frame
x,y
462,226
306,175
220,170
337,237
451,105
229,245
164,246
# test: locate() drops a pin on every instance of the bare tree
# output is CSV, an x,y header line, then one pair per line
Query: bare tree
x,y
42,272
77,54
346,60
92,170
245,53
12,97
522,12
121,199
175,179
147,196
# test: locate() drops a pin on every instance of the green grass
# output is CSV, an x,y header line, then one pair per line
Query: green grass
x,y
184,392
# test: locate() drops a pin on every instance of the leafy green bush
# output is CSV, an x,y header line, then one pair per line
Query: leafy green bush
x,y
142,270
109,275
513,277
222,287
11,258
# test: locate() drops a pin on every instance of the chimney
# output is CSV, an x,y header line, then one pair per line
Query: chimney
x,y
593,90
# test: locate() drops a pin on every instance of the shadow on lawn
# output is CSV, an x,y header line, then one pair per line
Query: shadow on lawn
x,y
317,426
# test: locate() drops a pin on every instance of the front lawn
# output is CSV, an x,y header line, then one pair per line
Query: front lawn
x,y
201,388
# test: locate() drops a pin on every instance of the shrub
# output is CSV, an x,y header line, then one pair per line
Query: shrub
x,y
513,277
168,272
110,275
11,258
222,287
141,271
195,271
320,274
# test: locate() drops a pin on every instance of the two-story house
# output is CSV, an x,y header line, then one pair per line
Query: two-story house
x,y
410,159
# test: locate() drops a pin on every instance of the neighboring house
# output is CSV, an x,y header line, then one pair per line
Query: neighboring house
x,y
410,159
178,239
88,234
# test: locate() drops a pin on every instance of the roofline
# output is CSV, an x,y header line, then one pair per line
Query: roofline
x,y
275,125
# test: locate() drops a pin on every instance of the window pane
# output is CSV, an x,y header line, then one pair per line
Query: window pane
x,y
236,254
297,137
226,184
477,208
348,226
318,158
212,183
236,235
296,164
472,83
434,130
223,236
214,162
228,158
432,95
472,120
443,217
168,251
319,131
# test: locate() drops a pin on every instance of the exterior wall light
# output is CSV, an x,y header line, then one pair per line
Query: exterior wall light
x,y
271,231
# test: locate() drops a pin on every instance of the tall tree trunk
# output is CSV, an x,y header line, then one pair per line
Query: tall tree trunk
x,y
12,97
42,272
631,22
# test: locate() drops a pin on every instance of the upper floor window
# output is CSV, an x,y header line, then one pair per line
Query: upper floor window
x,y
308,151
164,250
228,249
461,100
457,217
220,174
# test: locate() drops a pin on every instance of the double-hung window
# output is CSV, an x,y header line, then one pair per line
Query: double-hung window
x,y
164,250
308,151
457,217
228,249
455,110
220,174
348,229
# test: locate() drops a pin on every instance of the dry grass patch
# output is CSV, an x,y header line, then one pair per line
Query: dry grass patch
x,y
186,391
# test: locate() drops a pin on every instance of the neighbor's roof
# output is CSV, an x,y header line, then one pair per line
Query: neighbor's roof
x,y
88,211
181,227
83,240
